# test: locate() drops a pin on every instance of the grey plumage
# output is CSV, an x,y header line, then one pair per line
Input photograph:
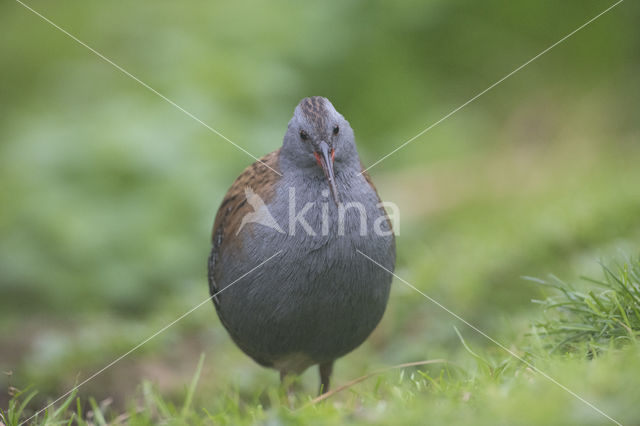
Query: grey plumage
x,y
319,299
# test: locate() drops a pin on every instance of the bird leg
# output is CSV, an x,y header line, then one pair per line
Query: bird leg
x,y
289,382
325,375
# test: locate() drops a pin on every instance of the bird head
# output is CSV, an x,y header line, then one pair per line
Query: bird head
x,y
318,136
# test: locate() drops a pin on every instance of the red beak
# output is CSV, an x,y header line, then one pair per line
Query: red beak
x,y
325,160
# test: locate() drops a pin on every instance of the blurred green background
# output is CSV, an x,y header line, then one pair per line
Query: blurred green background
x,y
108,193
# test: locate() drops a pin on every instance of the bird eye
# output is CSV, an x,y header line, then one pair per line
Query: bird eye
x,y
303,135
336,129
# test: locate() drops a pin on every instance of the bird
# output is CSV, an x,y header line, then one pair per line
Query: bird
x,y
312,203
260,212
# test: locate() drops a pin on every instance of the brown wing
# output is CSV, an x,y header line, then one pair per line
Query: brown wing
x,y
370,182
262,180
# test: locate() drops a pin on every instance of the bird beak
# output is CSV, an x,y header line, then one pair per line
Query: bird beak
x,y
325,160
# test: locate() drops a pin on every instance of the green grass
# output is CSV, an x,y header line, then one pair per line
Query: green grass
x,y
498,391
483,386
603,314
